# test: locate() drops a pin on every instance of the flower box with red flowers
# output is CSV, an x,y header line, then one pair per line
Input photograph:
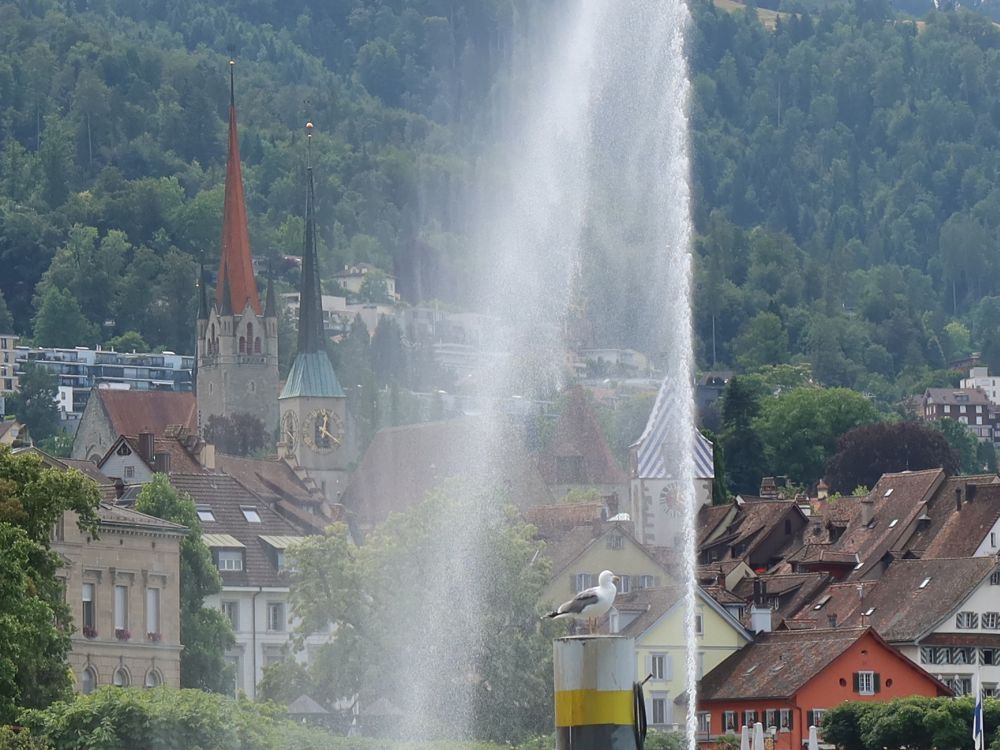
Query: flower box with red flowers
x,y
89,632
122,634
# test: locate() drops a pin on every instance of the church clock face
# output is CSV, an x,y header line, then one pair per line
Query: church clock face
x,y
289,430
323,431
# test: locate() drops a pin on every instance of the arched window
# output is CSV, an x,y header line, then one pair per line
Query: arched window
x,y
88,681
256,345
243,345
212,337
121,678
249,331
153,679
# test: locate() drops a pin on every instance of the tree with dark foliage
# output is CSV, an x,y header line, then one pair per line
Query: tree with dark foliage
x,y
867,452
241,434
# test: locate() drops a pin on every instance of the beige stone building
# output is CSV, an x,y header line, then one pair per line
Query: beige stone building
x,y
122,590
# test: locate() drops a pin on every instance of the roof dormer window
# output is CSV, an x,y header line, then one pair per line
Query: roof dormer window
x,y
250,513
923,583
205,513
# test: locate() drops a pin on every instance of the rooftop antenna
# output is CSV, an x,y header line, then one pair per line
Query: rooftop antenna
x,y
232,84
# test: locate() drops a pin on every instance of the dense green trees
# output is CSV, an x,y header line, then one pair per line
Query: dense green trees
x,y
35,404
205,633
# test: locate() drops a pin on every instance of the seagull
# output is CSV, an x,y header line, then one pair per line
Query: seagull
x,y
591,603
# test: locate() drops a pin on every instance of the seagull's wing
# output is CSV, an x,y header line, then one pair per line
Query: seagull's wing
x,y
577,604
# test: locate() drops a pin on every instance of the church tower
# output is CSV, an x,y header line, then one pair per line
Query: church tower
x,y
237,356
313,405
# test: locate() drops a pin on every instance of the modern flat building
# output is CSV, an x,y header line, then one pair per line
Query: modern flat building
x,y
80,369
8,376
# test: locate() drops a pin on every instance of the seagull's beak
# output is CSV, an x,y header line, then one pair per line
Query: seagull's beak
x,y
616,579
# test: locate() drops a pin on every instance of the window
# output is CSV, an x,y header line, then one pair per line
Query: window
x,y
205,513
699,623
659,666
967,620
785,719
704,722
770,718
129,472
230,559
121,607
991,620
616,541
250,513
276,617
988,656
947,409
993,543
729,721
646,582
625,584
153,612
232,612
661,709
87,619
962,655
866,683
153,679
750,717
942,655
583,581
962,685
815,717
120,678
923,583
926,655
88,681
995,578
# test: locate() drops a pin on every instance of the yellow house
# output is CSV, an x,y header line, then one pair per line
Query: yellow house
x,y
580,554
655,619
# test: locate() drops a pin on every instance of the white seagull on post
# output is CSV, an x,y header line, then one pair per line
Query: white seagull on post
x,y
591,603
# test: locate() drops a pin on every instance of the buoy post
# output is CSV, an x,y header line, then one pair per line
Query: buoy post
x,y
595,705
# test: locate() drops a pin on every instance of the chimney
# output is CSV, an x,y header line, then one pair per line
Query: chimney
x,y
958,498
822,490
119,488
206,456
760,619
146,443
867,510
768,487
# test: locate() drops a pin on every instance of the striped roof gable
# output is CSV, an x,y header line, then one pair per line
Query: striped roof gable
x,y
650,445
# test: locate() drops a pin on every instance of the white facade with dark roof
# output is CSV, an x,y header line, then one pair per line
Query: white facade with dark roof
x,y
653,494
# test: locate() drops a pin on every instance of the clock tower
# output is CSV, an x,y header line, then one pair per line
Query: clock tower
x,y
313,406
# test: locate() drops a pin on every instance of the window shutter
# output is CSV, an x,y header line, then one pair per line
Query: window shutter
x,y
809,716
791,719
857,682
877,682
668,667
649,667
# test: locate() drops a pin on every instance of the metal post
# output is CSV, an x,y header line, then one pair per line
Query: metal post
x,y
594,693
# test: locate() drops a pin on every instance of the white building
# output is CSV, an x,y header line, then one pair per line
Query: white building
x,y
980,378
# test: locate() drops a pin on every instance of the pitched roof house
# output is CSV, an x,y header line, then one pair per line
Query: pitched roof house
x,y
786,680
943,614
110,413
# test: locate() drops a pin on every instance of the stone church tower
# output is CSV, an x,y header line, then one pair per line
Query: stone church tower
x,y
313,405
237,356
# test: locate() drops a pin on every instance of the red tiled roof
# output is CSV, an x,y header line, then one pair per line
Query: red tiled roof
x,y
132,412
555,520
577,433
224,495
948,532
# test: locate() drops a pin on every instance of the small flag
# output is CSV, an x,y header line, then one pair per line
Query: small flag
x,y
977,717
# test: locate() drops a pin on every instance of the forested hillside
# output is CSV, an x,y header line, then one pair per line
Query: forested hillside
x,y
845,168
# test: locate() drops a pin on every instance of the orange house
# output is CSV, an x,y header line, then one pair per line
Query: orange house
x,y
787,679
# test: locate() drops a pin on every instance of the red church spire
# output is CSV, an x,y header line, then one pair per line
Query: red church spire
x,y
235,265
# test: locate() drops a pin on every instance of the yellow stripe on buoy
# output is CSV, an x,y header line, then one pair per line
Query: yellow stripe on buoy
x,y
576,708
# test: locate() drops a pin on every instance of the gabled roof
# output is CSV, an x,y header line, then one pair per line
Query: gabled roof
x,y
225,496
132,412
312,375
710,517
753,524
792,589
661,425
653,604
776,665
565,550
402,464
902,610
181,461
578,433
948,532
898,500
956,396
556,520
